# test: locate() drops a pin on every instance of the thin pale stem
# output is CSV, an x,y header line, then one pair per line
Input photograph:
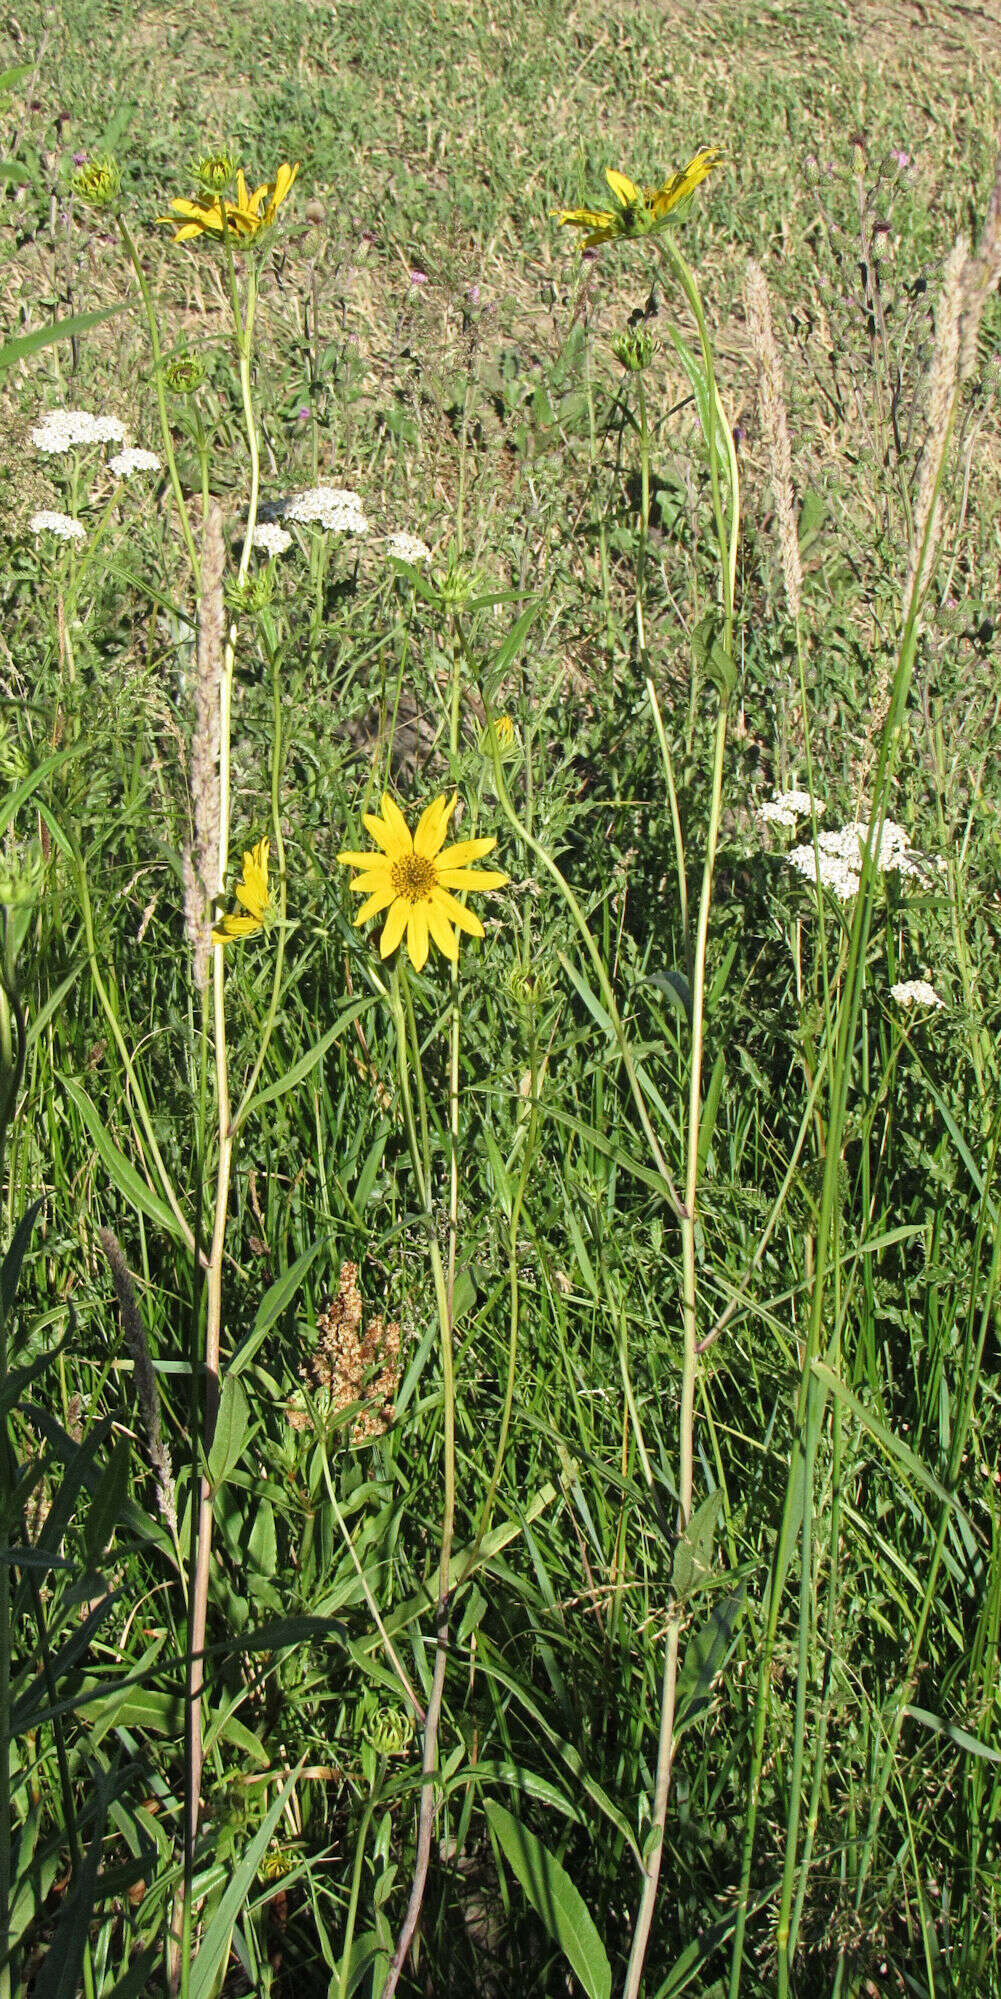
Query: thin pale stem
x,y
243,328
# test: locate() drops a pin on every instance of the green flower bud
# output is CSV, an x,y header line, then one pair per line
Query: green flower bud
x,y
22,875
98,182
184,374
529,989
388,1730
213,171
14,762
458,584
253,595
633,349
506,736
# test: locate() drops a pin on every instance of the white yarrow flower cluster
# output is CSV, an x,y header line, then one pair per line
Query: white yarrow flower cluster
x,y
786,807
840,857
915,992
124,463
60,430
62,525
408,548
273,539
330,507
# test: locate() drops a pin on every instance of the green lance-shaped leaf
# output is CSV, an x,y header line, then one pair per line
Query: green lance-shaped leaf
x,y
555,1900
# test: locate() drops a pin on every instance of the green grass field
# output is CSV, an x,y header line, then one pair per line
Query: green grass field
x,y
500,1455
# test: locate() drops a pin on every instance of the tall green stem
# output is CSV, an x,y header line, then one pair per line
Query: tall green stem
x,y
243,329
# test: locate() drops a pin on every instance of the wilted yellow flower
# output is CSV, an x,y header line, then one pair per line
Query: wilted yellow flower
x,y
242,218
641,211
253,893
412,878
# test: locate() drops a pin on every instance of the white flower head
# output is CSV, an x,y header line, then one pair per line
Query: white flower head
x,y
841,857
60,430
915,992
408,548
272,538
124,463
62,525
835,871
331,507
786,807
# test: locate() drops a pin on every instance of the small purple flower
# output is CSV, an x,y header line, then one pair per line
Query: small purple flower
x,y
418,277
303,413
900,159
80,159
473,294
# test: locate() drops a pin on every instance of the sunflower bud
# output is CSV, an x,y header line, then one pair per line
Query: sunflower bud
x,y
633,349
504,733
14,764
213,171
98,182
458,584
184,374
529,989
253,595
22,873
388,1730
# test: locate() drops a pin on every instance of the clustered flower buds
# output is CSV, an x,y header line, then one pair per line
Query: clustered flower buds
x,y
62,430
915,992
330,507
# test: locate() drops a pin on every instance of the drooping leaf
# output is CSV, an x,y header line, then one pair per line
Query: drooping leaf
x,y
556,1901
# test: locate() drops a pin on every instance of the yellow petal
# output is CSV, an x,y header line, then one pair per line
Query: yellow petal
x,y
368,883
457,913
626,192
282,182
231,926
417,936
442,932
467,878
585,218
675,190
384,836
363,860
399,841
464,851
433,827
379,900
394,926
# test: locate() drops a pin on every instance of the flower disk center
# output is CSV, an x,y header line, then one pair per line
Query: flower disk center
x,y
414,878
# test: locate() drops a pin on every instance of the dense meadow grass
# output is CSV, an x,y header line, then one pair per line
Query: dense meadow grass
x,y
500,1459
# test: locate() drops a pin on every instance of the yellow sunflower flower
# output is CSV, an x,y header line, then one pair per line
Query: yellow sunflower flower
x,y
641,211
242,218
412,877
255,896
